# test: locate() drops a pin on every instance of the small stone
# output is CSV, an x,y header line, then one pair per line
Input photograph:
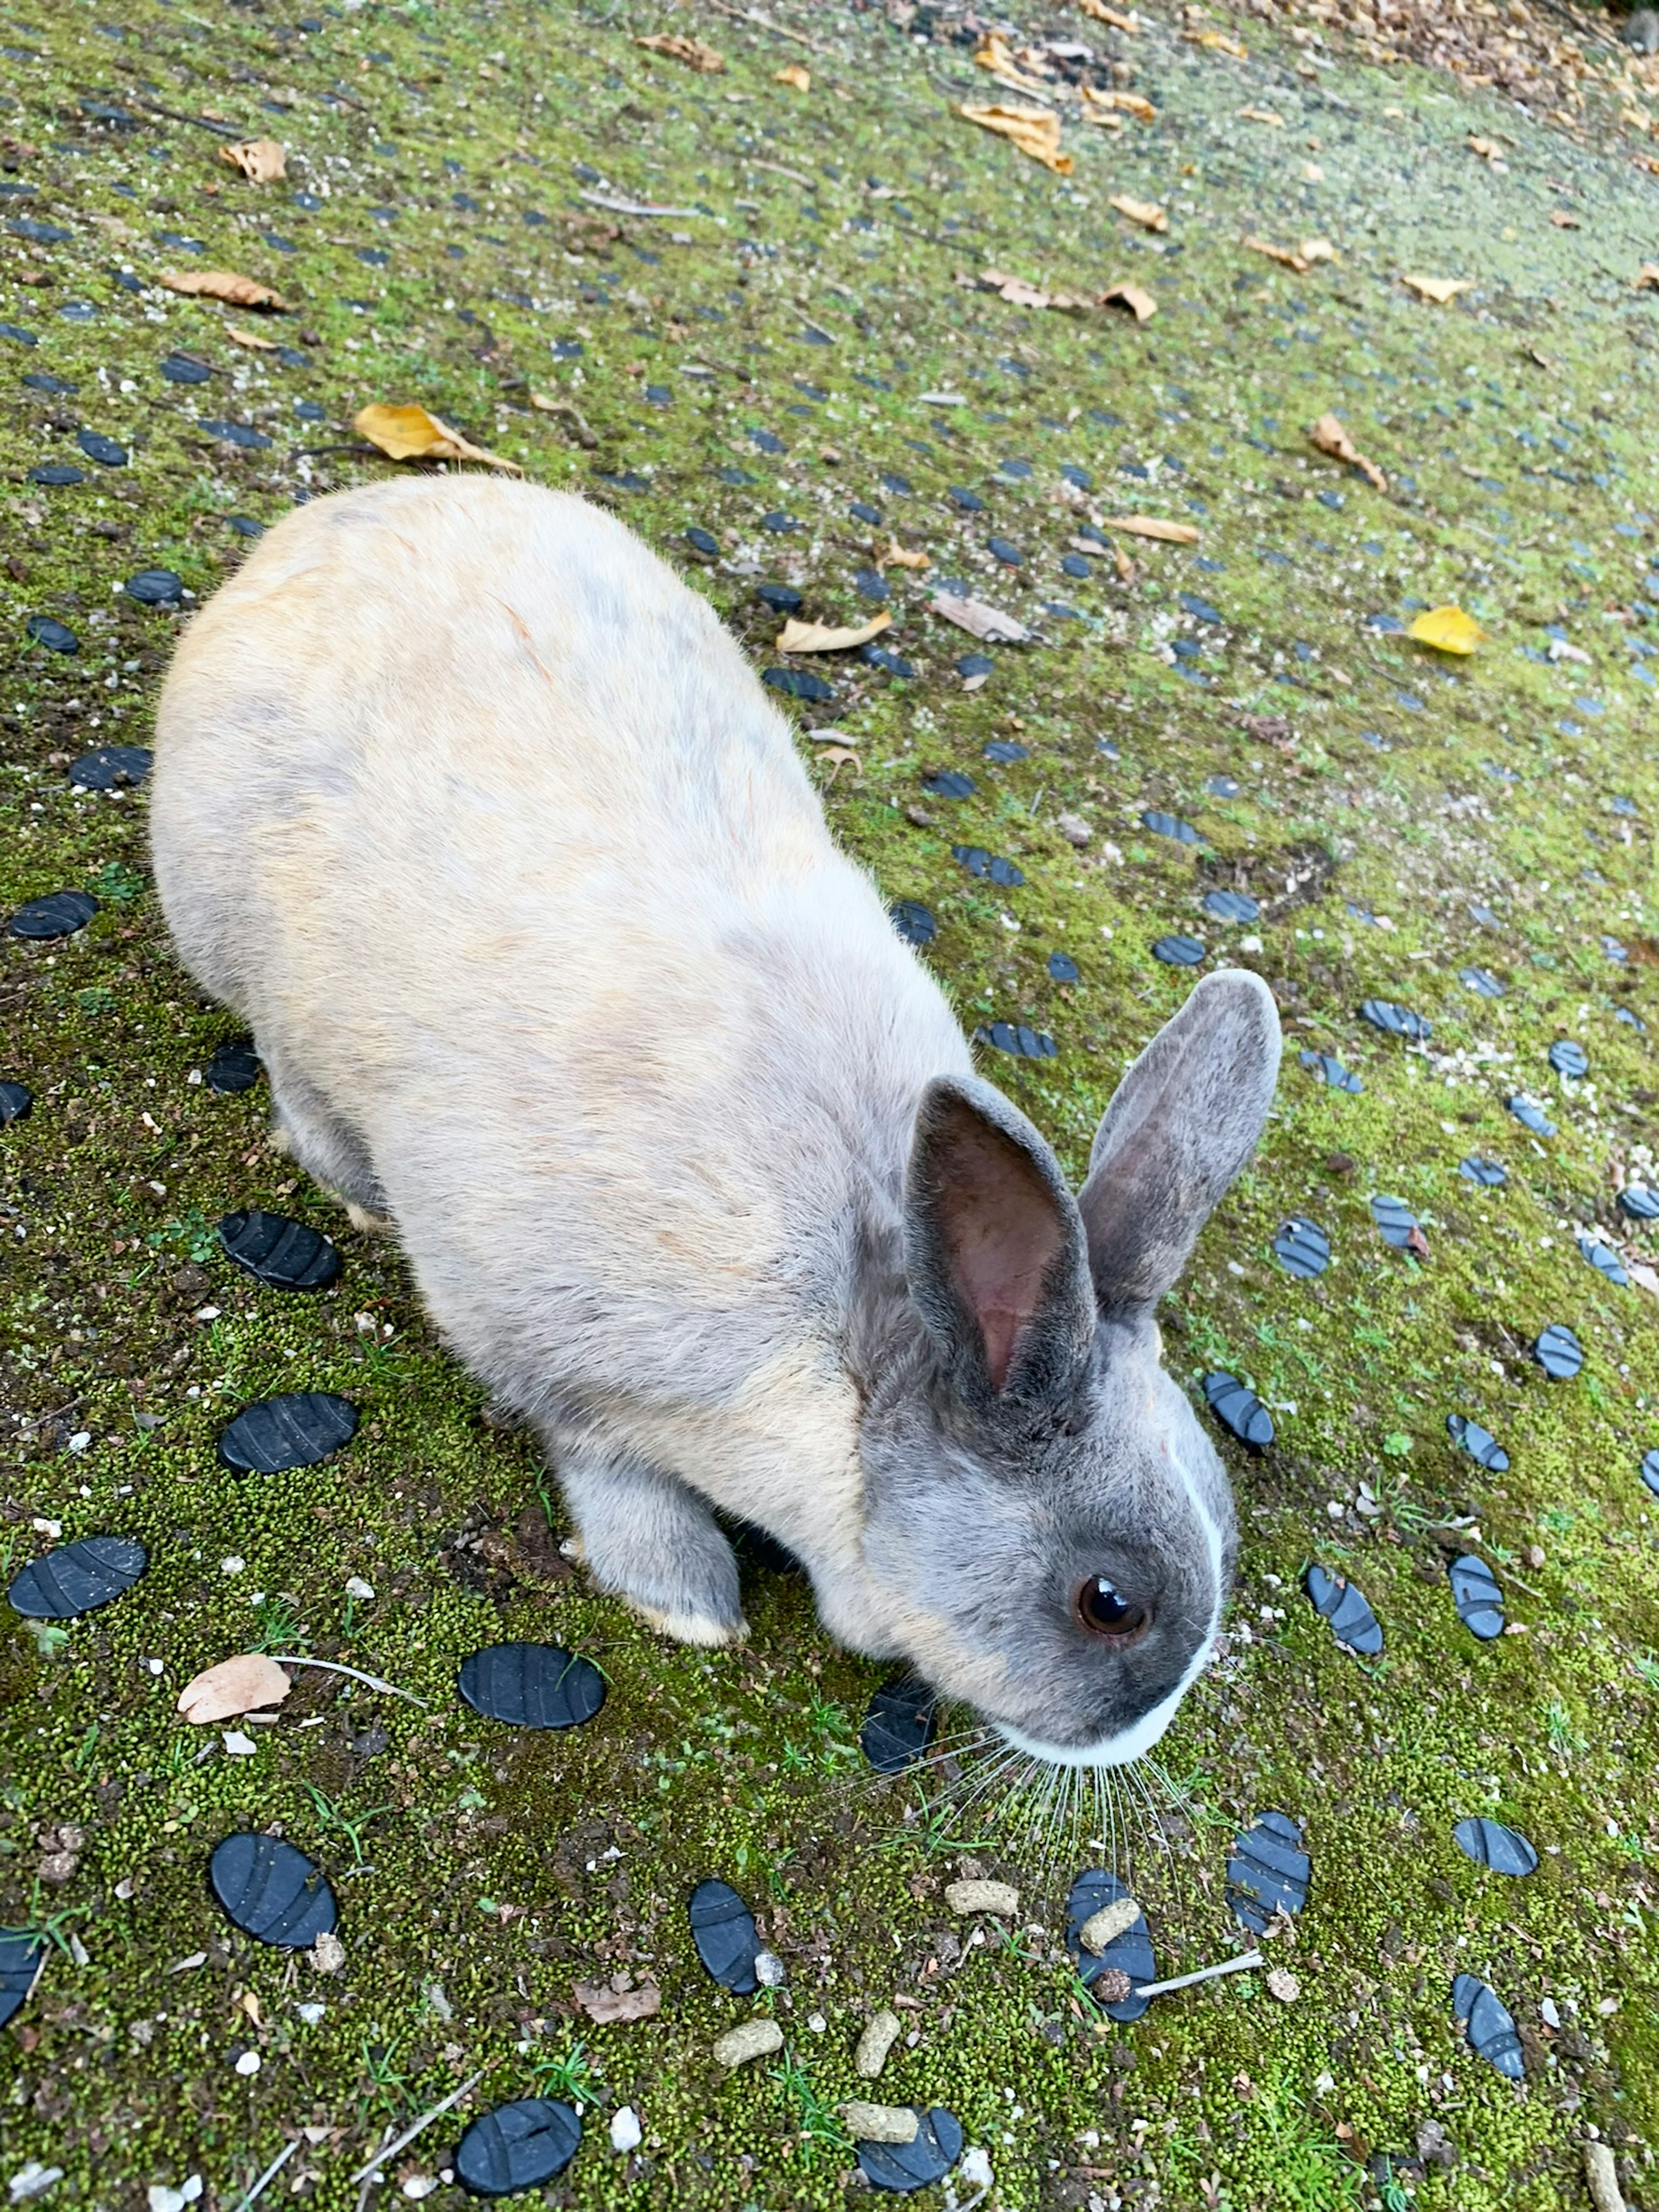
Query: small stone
x,y
768,1970
327,1953
753,2039
1283,1984
886,2124
999,1898
879,2036
30,2181
1102,1928
1111,1986
248,2063
1073,829
974,2170
1602,2179
626,2133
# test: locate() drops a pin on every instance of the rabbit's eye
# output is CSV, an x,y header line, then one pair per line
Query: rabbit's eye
x,y
1106,1611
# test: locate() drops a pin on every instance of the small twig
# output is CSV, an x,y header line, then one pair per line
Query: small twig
x,y
269,2175
748,15
226,130
1241,1964
335,1666
632,207
778,170
391,2149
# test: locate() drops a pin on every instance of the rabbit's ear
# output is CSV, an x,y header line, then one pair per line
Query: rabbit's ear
x,y
1183,1122
994,1248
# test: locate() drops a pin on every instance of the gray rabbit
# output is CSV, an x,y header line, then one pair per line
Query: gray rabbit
x,y
478,817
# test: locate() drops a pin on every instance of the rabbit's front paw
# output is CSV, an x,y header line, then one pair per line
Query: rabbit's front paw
x,y
699,1628
366,1223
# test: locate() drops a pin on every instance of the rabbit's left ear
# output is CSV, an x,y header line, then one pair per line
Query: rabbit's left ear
x,y
994,1249
1183,1122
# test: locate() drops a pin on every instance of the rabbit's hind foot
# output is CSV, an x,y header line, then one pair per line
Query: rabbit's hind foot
x,y
306,1129
653,1543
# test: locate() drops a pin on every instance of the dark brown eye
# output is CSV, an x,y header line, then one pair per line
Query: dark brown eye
x,y
1106,1611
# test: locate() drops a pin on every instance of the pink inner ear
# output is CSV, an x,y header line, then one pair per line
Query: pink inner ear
x,y
1004,1235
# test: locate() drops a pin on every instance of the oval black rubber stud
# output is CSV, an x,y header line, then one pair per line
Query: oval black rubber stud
x,y
156,587
271,1890
1231,906
517,2146
283,1254
111,765
1301,1247
235,1066
1568,1059
901,2168
1490,1844
913,921
1062,969
1558,1353
1530,1114
1395,1021
1640,1203
949,783
1170,825
1130,1953
723,1929
60,914
900,1723
1490,1175
1649,1471
1239,1410
16,1100
533,1685
1180,952
21,1953
1330,1071
1488,2024
1267,1872
78,1578
297,1429
1605,1260
1479,1444
1476,1595
1482,981
1395,1222
1347,1608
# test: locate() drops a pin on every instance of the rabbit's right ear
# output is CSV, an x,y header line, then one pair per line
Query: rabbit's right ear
x,y
1182,1124
994,1249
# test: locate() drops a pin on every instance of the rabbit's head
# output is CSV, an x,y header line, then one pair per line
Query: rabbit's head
x,y
1049,1528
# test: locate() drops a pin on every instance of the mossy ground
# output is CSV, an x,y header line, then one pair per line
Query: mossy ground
x,y
451,145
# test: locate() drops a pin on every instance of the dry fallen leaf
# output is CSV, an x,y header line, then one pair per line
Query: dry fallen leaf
x,y
1443,290
245,1685
261,161
1014,289
1146,213
1262,115
1033,130
691,52
979,620
586,438
1141,305
1146,526
1219,43
1448,630
1562,221
1649,279
824,637
410,434
1328,435
1102,13
1286,256
793,73
222,284
607,2006
902,556
1123,564
1317,249
992,53
838,757
250,339
1132,103
1487,148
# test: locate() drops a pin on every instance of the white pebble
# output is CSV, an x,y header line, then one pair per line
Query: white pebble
x,y
238,1745
817,2022
626,2133
233,1565
33,2180
311,2013
248,2063
768,1970
357,1587
420,2185
974,2168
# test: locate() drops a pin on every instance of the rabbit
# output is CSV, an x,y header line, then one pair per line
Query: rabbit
x,y
479,818
1641,30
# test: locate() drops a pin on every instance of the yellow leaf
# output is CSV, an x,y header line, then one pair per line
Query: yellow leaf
x,y
992,53
1649,279
1443,290
1448,630
824,637
1141,304
1562,221
1287,255
1146,526
1262,115
691,52
1033,130
1132,103
1218,42
243,1685
250,339
793,73
1317,249
902,556
1487,148
1014,289
1329,435
222,284
1102,13
1146,213
261,161
1312,174
410,434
